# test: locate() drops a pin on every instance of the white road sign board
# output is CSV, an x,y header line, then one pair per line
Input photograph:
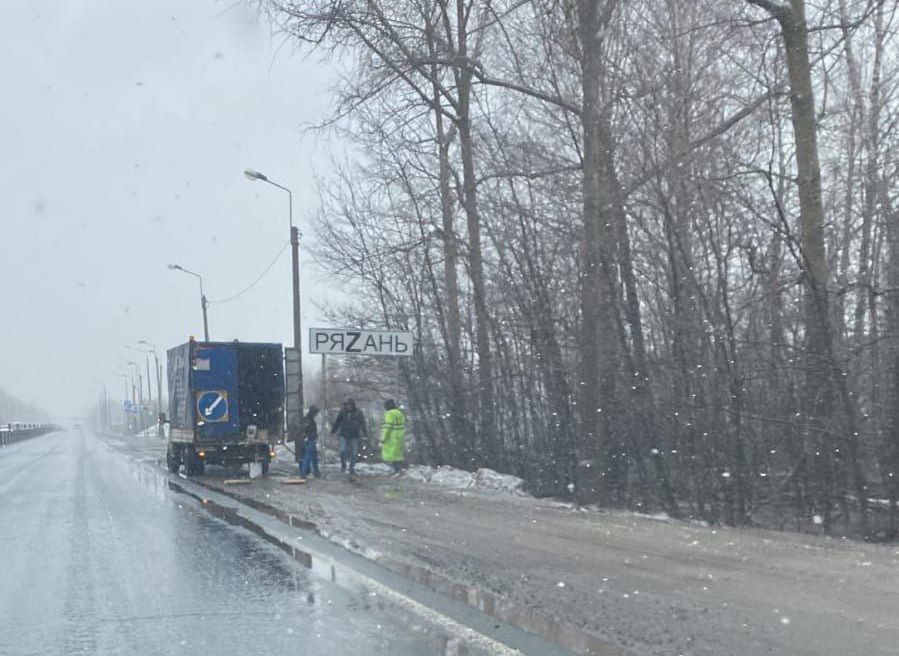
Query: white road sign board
x,y
340,341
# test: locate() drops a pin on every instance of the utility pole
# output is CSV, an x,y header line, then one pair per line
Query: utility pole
x,y
158,384
149,389
205,304
295,254
297,339
125,419
158,373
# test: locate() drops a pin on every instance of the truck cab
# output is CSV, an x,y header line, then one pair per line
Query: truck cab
x,y
226,404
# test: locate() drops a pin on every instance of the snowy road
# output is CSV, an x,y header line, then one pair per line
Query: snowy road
x,y
99,556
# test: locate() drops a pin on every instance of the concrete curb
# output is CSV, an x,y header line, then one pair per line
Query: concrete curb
x,y
561,634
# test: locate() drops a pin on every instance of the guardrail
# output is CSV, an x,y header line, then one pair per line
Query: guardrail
x,y
16,432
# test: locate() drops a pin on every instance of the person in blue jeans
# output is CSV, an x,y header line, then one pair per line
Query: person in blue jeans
x,y
350,428
309,463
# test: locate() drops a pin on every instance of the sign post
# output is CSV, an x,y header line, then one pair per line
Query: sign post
x,y
324,391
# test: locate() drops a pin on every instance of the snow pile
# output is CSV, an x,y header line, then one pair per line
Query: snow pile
x,y
373,469
151,433
487,479
449,477
457,479
422,473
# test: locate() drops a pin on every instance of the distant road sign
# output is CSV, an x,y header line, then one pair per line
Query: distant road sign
x,y
212,406
339,341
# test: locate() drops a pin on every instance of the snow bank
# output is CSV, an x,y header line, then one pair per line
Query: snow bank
x,y
451,477
459,479
487,479
373,469
421,473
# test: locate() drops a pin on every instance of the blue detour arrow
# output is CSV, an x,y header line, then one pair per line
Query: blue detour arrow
x,y
212,406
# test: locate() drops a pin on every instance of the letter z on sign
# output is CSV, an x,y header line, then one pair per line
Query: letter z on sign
x,y
338,341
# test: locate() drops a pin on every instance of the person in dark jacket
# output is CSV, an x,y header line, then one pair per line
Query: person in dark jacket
x,y
309,463
350,428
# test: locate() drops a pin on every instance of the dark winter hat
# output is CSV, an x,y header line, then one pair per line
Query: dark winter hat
x,y
389,404
313,410
350,402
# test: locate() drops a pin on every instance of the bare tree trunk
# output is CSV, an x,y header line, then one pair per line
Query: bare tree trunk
x,y
458,407
820,366
890,457
598,403
488,440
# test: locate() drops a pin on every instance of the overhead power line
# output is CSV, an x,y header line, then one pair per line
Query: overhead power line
x,y
256,281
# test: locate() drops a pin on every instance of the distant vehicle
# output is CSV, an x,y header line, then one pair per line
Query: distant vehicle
x,y
226,404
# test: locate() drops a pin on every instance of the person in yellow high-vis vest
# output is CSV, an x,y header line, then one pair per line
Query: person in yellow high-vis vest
x,y
393,436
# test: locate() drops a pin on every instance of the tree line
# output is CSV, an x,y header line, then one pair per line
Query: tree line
x,y
648,248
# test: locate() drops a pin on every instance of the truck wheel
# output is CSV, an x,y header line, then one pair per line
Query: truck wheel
x,y
192,463
172,460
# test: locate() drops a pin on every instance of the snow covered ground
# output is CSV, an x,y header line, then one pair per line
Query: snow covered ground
x,y
450,477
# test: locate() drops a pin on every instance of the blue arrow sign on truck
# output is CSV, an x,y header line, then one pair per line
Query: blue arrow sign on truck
x,y
212,405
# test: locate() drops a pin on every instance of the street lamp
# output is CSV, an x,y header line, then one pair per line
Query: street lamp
x,y
140,388
126,420
158,371
295,252
203,302
147,360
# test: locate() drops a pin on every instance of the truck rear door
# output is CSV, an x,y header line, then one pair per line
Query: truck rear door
x,y
215,394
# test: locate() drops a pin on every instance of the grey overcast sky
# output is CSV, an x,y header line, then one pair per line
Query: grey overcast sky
x,y
125,128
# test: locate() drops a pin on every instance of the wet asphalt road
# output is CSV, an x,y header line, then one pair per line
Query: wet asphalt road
x,y
99,556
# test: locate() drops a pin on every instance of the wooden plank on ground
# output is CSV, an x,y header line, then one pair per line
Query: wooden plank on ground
x,y
293,481
237,481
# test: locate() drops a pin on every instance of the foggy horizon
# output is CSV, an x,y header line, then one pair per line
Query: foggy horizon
x,y
129,150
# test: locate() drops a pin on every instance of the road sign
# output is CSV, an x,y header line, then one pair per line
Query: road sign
x,y
339,341
212,406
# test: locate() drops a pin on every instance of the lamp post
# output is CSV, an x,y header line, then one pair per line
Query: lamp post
x,y
203,302
158,372
140,391
147,360
126,379
295,253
